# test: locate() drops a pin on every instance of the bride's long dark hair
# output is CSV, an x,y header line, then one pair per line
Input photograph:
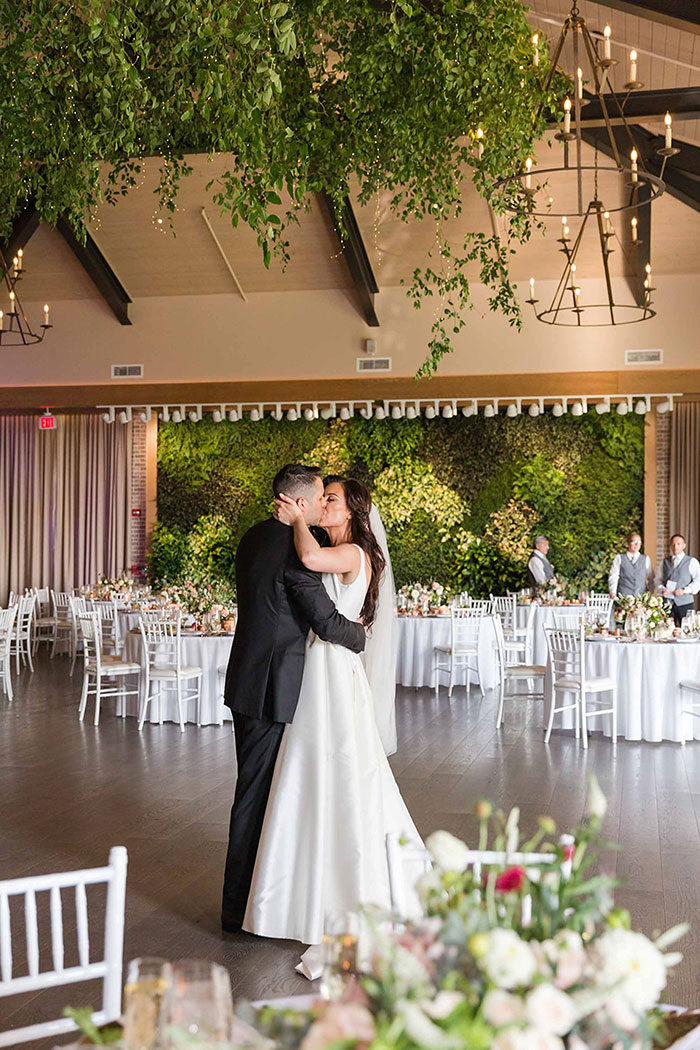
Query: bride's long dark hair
x,y
359,504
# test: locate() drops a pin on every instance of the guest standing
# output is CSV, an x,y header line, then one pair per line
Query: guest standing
x,y
679,579
631,572
539,570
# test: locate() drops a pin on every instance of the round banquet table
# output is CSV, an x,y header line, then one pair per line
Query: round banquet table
x,y
418,635
648,696
206,651
544,617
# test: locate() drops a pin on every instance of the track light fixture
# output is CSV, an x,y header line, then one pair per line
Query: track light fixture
x,y
108,416
195,414
234,414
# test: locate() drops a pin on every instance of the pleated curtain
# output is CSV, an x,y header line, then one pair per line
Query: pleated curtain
x,y
64,502
684,482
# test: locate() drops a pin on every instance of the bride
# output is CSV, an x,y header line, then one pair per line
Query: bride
x,y
333,797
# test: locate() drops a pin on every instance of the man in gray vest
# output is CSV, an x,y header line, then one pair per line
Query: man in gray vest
x,y
631,572
539,570
679,579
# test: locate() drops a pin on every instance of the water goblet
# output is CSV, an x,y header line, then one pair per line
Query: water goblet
x,y
340,941
199,1004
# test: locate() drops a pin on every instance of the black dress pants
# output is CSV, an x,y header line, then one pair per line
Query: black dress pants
x,y
257,744
679,611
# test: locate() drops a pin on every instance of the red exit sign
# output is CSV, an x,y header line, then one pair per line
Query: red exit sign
x,y
48,422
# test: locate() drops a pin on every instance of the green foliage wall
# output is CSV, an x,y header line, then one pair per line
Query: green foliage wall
x,y
461,498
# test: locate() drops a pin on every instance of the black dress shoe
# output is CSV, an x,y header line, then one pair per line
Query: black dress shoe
x,y
230,924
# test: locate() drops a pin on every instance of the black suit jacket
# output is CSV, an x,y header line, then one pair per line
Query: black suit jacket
x,y
279,600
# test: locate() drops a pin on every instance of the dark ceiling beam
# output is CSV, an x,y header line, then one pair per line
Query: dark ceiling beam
x,y
23,226
681,14
682,172
98,270
681,103
355,253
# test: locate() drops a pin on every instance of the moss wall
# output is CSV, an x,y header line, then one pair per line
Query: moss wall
x,y
461,498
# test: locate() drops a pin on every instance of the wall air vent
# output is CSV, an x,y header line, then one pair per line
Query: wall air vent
x,y
374,364
644,357
127,371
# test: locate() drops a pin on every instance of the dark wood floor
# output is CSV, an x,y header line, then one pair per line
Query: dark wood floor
x,y
69,791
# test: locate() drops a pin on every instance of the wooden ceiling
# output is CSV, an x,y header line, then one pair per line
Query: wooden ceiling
x,y
151,261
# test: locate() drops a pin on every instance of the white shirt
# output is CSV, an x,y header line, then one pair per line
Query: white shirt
x,y
693,568
536,567
614,577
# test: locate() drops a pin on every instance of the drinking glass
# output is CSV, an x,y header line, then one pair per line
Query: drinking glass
x,y
340,941
147,980
198,1004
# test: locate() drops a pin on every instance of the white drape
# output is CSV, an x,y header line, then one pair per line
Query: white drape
x,y
382,645
64,501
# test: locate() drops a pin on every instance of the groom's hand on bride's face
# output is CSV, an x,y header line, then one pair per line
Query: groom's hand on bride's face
x,y
286,510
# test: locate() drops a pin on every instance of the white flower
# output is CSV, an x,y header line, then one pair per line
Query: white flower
x,y
508,1039
442,1005
540,1039
448,852
422,1031
509,962
621,1014
628,963
408,971
550,1009
597,804
429,882
502,1008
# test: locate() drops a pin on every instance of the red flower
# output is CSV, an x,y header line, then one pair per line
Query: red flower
x,y
569,851
511,880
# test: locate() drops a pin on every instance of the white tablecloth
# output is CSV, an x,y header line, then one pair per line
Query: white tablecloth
x,y
648,698
418,635
206,651
544,617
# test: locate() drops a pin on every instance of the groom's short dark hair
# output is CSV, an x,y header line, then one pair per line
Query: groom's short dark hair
x,y
295,480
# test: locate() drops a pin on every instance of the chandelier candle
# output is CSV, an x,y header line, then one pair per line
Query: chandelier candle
x,y
635,169
528,177
567,116
579,82
633,67
634,231
669,132
607,32
536,56
480,144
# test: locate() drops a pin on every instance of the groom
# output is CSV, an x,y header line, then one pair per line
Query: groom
x,y
279,601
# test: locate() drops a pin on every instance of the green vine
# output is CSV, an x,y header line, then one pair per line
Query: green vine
x,y
306,96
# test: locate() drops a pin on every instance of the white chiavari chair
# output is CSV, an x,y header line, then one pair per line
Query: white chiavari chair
x,y
109,623
63,625
504,606
483,604
21,644
518,640
7,625
465,630
407,862
601,605
567,619
44,625
63,971
99,665
162,646
567,663
11,599
221,679
78,607
510,673
693,706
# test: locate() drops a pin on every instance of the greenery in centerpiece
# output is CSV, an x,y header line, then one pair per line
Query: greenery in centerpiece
x,y
307,98
653,609
462,499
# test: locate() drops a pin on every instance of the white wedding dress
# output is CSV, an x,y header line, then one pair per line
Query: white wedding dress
x,y
333,798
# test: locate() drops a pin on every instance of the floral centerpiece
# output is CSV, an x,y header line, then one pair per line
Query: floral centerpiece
x,y
523,958
211,604
108,587
652,609
421,599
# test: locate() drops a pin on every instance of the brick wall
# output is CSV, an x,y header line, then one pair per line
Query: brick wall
x,y
663,468
138,493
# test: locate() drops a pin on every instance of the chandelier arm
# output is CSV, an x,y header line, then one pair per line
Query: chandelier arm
x,y
552,69
577,114
571,259
606,267
592,58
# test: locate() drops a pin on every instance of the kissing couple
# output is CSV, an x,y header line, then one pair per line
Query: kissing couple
x,y
315,796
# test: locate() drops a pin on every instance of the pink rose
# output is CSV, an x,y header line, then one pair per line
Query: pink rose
x,y
511,880
340,1021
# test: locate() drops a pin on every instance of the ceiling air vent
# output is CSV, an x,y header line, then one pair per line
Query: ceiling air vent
x,y
127,371
374,364
644,357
